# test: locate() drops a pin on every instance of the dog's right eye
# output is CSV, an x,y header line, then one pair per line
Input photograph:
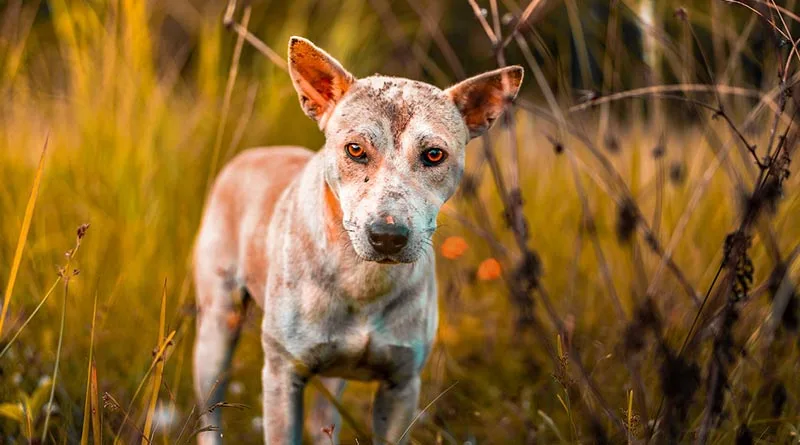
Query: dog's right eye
x,y
356,152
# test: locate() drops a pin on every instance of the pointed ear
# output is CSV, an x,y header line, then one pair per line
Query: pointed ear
x,y
320,80
482,99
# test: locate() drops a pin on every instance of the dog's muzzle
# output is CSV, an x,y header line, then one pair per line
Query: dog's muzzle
x,y
387,238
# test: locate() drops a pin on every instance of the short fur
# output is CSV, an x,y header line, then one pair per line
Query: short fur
x,y
293,229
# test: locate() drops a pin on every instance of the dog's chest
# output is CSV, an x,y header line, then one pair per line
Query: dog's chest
x,y
383,337
369,349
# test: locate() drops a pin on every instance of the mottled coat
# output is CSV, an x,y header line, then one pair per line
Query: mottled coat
x,y
335,246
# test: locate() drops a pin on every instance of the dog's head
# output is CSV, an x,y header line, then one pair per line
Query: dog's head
x,y
394,150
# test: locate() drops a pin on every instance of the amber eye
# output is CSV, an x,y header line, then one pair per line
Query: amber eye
x,y
356,152
433,156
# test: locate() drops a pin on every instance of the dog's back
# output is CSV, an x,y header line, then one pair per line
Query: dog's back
x,y
230,244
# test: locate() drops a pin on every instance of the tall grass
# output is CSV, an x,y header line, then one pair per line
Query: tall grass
x,y
611,315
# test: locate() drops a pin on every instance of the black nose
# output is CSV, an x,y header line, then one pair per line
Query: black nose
x,y
387,238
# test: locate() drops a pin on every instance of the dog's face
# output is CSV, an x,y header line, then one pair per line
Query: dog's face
x,y
394,150
394,154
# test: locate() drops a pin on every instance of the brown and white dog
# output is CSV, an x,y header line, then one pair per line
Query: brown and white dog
x,y
335,246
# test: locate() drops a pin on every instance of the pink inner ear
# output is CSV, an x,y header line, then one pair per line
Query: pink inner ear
x,y
319,79
481,99
318,91
480,106
319,82
324,85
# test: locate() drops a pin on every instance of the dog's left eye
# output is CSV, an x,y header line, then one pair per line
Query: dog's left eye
x,y
433,156
356,152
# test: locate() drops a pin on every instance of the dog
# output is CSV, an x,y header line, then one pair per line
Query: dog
x,y
335,246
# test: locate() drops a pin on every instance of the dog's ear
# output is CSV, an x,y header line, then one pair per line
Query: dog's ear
x,y
482,99
320,80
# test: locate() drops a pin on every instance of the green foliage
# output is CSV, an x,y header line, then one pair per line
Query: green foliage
x,y
27,411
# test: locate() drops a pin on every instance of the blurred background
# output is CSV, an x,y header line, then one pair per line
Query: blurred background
x,y
619,264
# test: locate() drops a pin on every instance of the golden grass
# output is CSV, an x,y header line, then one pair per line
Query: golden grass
x,y
89,409
23,235
159,373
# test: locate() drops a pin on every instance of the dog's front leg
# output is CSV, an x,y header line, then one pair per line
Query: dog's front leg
x,y
393,410
282,400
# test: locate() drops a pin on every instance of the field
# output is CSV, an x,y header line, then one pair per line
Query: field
x,y
620,264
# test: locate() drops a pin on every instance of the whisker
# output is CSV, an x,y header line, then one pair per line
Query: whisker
x,y
429,255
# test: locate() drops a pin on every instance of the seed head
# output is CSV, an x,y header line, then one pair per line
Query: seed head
x,y
677,173
612,144
627,220
82,230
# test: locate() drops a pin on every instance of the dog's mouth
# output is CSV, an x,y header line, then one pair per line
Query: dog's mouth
x,y
387,261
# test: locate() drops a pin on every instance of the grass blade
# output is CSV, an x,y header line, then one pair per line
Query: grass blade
x,y
87,403
66,273
97,409
630,416
226,102
30,317
23,234
419,414
49,408
159,372
162,350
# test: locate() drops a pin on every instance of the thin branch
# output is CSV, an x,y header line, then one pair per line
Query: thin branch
x,y
658,89
257,43
482,20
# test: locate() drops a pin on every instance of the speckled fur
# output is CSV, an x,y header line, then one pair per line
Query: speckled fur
x,y
288,228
